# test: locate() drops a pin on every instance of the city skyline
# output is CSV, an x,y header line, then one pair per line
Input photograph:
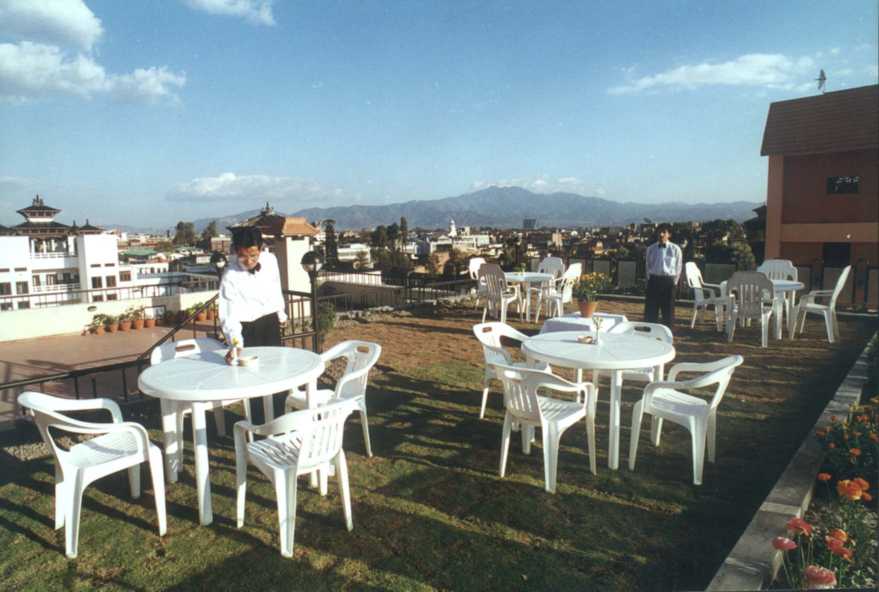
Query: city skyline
x,y
144,115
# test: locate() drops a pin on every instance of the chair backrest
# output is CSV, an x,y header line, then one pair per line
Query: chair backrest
x,y
495,285
749,290
520,400
778,269
360,357
321,438
694,280
650,330
181,349
569,278
489,335
474,265
553,265
840,284
717,373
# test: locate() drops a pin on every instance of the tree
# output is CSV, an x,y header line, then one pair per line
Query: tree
x,y
743,256
331,248
404,230
184,233
379,238
393,235
209,232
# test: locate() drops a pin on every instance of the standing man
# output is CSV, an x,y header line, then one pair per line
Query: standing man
x,y
664,264
252,307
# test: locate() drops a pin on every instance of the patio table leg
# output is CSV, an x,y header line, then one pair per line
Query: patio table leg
x,y
616,387
313,478
169,430
268,408
202,479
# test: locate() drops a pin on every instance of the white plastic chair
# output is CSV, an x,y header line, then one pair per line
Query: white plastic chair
x,y
360,357
181,349
809,304
498,295
118,445
552,415
473,270
489,335
559,292
297,443
670,400
648,331
554,266
751,297
704,295
781,269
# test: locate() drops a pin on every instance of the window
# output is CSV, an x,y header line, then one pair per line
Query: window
x,y
109,265
36,281
112,297
124,276
51,279
97,298
837,185
5,306
5,289
836,254
21,288
21,269
23,305
4,270
111,281
97,283
95,265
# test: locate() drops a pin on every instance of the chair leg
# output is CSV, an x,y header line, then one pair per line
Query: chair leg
x,y
695,312
828,325
364,425
730,326
835,324
711,437
505,444
285,490
655,430
551,439
73,501
344,489
134,481
240,488
764,332
181,416
60,493
154,460
484,399
220,420
484,311
637,417
527,434
590,442
697,438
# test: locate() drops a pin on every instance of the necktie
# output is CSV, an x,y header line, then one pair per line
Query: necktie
x,y
256,268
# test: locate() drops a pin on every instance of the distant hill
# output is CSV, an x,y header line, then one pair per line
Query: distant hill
x,y
508,206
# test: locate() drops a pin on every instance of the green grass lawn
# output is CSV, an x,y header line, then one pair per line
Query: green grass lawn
x,y
430,511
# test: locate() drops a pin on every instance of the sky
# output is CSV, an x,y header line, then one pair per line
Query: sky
x,y
144,113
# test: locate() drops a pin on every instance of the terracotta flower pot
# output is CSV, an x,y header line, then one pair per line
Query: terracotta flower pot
x,y
137,324
98,330
587,307
124,325
201,316
112,328
149,323
210,314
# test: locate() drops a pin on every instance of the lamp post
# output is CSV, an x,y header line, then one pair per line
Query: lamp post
x,y
311,263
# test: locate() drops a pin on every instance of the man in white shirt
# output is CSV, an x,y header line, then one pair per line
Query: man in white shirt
x,y
664,264
251,304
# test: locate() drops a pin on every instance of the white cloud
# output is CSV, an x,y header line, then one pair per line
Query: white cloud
x,y
62,22
32,70
758,70
253,188
257,12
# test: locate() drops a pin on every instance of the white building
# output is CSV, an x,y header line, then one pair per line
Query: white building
x,y
352,251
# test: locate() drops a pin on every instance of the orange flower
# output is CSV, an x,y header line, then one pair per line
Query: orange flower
x,y
783,544
824,477
819,578
840,551
838,534
866,496
798,525
861,483
831,445
856,452
849,490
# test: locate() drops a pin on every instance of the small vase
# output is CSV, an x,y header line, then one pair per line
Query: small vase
x,y
587,308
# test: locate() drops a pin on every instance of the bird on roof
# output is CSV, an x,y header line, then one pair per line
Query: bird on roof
x,y
821,80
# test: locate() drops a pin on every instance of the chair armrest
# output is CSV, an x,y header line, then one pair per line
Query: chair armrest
x,y
289,422
76,426
62,405
701,367
555,383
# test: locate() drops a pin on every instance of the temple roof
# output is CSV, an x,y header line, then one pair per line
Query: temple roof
x,y
38,209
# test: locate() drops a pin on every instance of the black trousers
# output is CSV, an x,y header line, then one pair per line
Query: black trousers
x,y
264,331
660,299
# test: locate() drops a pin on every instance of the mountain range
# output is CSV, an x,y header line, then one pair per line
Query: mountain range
x,y
506,207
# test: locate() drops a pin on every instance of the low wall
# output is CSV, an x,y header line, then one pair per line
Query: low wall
x,y
73,318
366,296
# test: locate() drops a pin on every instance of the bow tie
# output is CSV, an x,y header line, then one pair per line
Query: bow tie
x,y
662,246
256,268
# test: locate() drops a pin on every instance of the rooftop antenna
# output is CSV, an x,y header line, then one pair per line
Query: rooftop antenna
x,y
821,80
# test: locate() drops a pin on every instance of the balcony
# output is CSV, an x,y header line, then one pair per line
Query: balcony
x,y
58,260
54,288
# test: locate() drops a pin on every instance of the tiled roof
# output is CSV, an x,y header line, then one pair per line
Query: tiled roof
x,y
838,121
275,225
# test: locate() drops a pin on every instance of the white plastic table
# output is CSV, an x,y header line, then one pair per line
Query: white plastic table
x,y
614,352
206,378
783,290
526,279
576,322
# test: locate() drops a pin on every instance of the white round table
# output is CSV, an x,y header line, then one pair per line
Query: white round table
x,y
527,278
576,322
205,378
614,352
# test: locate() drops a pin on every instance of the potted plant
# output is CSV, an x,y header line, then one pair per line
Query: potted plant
x,y
137,320
149,320
111,323
168,318
209,311
586,291
202,314
125,320
97,324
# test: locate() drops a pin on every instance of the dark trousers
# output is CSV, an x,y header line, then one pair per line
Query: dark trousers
x,y
264,331
660,299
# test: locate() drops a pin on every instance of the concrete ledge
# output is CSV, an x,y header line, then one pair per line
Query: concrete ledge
x,y
753,563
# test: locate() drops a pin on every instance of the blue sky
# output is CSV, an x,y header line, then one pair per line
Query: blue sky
x,y
143,113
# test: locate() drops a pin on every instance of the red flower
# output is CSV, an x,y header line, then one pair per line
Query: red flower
x,y
798,525
838,534
866,496
824,477
856,452
783,544
849,490
840,550
820,578
861,483
831,445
